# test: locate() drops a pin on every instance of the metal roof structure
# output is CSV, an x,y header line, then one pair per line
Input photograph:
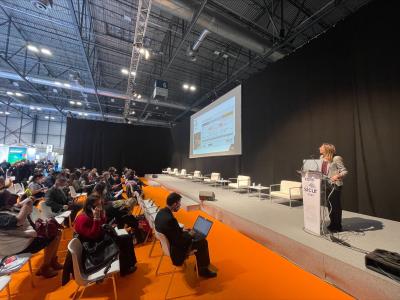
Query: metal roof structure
x,y
66,56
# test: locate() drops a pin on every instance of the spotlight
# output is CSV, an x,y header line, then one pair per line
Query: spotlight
x,y
80,114
67,85
124,71
7,113
85,114
38,108
18,94
72,102
146,54
32,108
133,73
10,93
33,48
46,117
79,103
139,96
57,83
185,86
132,112
52,118
46,51
141,51
192,88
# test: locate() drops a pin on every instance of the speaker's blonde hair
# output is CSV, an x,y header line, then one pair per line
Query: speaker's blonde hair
x,y
330,151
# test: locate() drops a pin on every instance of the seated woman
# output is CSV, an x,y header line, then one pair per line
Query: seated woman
x,y
17,235
121,214
89,227
36,186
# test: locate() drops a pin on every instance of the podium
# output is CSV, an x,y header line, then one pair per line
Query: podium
x,y
313,185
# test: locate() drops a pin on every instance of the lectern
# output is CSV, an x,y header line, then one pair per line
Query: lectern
x,y
313,193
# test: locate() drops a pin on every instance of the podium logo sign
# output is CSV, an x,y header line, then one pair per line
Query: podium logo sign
x,y
311,202
310,188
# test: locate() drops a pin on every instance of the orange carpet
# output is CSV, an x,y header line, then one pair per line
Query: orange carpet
x,y
246,270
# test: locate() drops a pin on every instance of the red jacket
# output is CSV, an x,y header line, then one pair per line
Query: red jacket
x,y
88,228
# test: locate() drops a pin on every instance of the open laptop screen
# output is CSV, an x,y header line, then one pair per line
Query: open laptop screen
x,y
202,225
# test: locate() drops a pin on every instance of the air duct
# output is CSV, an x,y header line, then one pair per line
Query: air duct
x,y
219,25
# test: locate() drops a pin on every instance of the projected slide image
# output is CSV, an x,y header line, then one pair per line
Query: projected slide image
x,y
214,131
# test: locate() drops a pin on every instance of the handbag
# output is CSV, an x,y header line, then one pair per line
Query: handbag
x,y
47,229
99,255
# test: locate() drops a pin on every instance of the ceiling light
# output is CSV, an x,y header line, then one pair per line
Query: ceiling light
x,y
192,88
7,112
1,112
124,71
139,96
216,52
67,85
72,102
85,114
46,117
185,86
57,83
38,108
33,48
18,94
141,50
80,113
132,112
135,95
10,93
146,54
31,108
46,51
78,103
52,118
133,73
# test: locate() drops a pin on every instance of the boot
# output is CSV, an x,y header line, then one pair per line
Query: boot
x,y
55,264
46,271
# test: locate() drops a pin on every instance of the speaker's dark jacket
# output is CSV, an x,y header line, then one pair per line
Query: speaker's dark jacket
x,y
179,239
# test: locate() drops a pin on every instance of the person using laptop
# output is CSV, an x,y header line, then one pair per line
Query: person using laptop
x,y
182,241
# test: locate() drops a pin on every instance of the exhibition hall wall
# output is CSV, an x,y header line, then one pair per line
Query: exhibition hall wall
x,y
343,88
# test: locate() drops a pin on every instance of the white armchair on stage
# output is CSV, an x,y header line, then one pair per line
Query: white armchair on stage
x,y
196,176
242,182
183,173
213,178
166,171
290,190
175,172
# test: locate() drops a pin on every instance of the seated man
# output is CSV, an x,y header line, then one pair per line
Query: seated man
x,y
58,201
181,241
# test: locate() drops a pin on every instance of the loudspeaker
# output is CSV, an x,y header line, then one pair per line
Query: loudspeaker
x,y
206,196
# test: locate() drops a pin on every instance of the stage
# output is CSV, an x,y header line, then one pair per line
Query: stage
x,y
280,228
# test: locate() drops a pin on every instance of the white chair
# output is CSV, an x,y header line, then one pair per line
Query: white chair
x,y
83,279
17,264
175,172
289,190
45,211
165,249
213,178
74,194
183,173
5,282
241,182
196,176
166,171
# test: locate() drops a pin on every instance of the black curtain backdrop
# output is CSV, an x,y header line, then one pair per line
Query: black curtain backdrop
x,y
96,144
343,88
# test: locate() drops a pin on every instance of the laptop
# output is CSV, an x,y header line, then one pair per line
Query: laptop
x,y
201,228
